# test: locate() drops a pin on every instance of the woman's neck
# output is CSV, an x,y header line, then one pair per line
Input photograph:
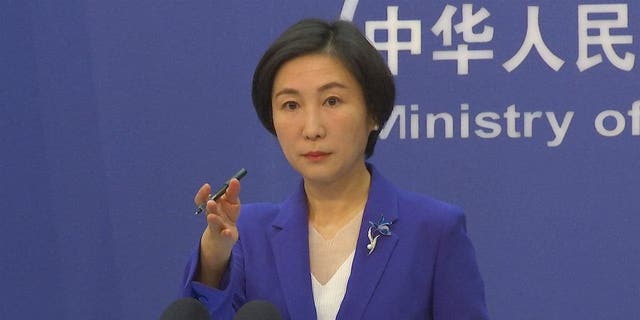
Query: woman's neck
x,y
332,205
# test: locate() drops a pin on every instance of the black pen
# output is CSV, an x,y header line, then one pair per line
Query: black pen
x,y
215,196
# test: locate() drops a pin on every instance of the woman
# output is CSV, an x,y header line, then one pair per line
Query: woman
x,y
347,244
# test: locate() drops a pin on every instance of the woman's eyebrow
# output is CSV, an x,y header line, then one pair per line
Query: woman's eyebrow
x,y
286,91
325,87
331,85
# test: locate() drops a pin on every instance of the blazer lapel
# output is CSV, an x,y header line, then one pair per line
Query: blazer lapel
x,y
367,270
290,244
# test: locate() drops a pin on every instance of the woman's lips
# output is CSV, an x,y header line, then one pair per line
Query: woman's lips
x,y
316,155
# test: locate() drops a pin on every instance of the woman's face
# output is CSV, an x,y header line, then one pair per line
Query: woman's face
x,y
320,118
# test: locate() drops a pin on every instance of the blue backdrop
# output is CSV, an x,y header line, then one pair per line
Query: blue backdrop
x,y
113,113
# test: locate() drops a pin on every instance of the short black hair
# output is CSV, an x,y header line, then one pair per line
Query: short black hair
x,y
342,40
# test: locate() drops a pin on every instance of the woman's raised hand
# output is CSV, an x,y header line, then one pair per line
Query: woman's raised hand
x,y
221,232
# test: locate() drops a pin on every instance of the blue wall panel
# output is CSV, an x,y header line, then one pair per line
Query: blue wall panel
x,y
113,113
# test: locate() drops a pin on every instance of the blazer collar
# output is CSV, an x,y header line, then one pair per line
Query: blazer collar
x,y
366,269
290,245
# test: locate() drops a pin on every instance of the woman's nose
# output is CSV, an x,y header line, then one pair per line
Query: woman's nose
x,y
313,125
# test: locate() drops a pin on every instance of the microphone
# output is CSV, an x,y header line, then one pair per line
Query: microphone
x,y
258,310
185,309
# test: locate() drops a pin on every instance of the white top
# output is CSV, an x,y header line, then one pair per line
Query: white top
x,y
328,297
330,262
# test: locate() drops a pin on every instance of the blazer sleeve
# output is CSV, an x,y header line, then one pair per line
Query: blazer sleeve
x,y
222,303
458,286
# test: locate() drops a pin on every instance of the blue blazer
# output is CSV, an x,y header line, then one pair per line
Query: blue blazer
x,y
426,268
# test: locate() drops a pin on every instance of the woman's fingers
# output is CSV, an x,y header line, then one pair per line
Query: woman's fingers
x,y
203,194
225,214
233,192
215,208
215,223
221,225
221,213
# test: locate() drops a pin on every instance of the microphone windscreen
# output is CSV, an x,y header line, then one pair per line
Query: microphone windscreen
x,y
258,310
185,309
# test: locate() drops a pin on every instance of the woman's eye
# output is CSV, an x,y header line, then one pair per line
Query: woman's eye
x,y
333,101
290,105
